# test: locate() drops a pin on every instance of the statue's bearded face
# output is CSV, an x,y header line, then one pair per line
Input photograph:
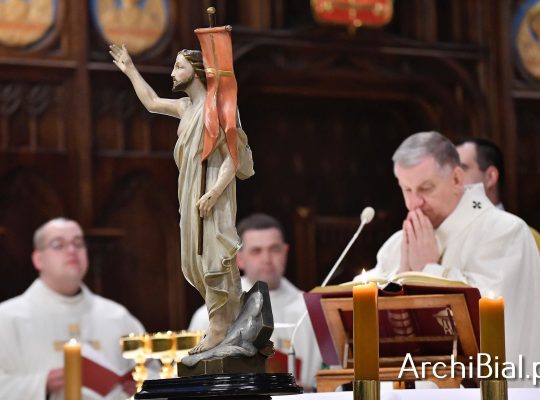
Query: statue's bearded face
x,y
182,74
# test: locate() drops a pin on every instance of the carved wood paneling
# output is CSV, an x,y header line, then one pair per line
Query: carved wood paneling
x,y
148,216
31,119
528,163
123,126
28,197
323,108
332,120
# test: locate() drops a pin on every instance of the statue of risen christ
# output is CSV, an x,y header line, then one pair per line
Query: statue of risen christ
x,y
214,273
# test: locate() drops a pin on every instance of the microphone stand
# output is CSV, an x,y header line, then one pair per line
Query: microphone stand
x,y
365,218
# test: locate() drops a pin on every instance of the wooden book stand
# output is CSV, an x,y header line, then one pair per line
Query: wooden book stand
x,y
458,330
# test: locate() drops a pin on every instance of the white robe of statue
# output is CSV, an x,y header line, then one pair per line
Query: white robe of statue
x,y
214,274
494,251
32,323
287,307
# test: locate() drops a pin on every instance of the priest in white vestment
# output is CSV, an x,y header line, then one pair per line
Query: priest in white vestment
x,y
457,233
483,162
55,308
263,257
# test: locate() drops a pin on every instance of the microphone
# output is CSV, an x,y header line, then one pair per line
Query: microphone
x,y
365,218
367,215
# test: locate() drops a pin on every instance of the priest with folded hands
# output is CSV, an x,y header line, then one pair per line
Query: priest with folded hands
x,y
455,232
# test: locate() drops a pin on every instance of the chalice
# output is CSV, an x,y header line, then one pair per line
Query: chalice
x,y
135,347
163,348
185,341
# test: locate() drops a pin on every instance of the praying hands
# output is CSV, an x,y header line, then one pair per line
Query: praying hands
x,y
419,245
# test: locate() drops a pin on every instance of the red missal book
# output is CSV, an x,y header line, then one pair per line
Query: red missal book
x,y
98,374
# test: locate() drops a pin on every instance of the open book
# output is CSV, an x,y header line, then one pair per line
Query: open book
x,y
422,279
404,278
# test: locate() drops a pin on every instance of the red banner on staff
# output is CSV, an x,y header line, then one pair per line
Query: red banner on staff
x,y
220,105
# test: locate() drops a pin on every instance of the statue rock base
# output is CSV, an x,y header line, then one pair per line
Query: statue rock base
x,y
225,365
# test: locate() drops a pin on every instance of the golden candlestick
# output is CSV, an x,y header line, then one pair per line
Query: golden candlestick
x,y
494,389
366,390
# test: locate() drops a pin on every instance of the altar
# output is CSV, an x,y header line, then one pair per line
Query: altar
x,y
418,394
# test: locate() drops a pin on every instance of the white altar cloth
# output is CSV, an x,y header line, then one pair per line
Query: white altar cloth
x,y
418,394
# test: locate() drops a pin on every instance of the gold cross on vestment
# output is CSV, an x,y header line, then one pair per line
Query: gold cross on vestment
x,y
75,332
59,344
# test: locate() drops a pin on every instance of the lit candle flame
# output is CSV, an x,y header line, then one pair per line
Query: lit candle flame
x,y
491,295
363,277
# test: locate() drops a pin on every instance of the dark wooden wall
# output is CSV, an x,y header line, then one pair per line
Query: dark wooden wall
x,y
323,108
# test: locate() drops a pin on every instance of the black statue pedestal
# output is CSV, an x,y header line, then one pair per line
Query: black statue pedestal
x,y
223,379
217,374
221,387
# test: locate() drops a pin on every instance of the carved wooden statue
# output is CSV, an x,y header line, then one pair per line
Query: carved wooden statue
x,y
227,155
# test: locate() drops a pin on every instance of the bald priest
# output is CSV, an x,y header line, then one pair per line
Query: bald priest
x,y
56,307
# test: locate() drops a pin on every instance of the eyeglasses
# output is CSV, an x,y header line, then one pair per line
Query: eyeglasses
x,y
60,244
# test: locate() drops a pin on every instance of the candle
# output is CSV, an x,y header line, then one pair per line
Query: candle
x,y
366,332
72,370
492,331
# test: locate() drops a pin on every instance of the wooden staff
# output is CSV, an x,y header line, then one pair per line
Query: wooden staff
x,y
204,167
211,21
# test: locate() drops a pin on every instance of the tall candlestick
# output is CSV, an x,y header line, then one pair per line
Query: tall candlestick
x,y
72,370
366,332
492,331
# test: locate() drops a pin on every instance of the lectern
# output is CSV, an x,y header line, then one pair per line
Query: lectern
x,y
432,324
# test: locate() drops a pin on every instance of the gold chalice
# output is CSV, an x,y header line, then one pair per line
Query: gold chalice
x,y
135,347
185,341
163,347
